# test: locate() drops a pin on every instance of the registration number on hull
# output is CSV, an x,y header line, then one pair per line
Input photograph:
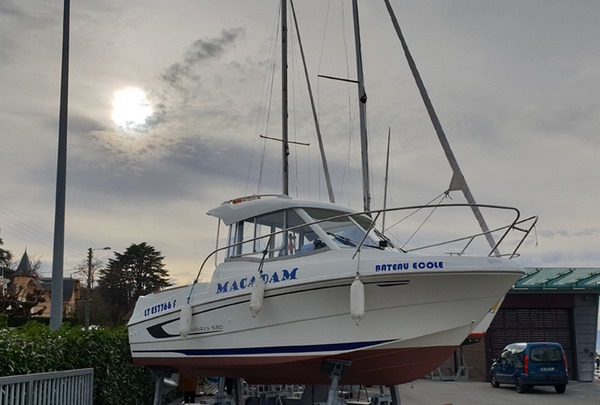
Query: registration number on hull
x,y
163,306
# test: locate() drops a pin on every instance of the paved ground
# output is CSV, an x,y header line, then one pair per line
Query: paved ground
x,y
427,392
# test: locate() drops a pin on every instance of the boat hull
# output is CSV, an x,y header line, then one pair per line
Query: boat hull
x,y
368,367
413,321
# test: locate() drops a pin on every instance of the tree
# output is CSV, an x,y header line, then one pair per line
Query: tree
x,y
86,272
94,309
5,256
91,309
138,271
19,300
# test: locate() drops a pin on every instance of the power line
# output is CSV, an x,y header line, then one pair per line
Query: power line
x,y
30,231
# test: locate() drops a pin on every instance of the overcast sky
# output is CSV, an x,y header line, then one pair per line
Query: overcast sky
x,y
515,85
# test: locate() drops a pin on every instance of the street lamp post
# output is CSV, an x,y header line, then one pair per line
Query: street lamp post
x,y
58,249
90,281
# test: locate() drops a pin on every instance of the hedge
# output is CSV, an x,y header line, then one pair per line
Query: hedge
x,y
17,321
34,348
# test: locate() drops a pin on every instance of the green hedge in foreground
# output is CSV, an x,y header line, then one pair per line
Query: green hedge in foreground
x,y
34,348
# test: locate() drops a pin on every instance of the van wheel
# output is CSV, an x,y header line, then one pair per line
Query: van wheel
x,y
495,382
560,389
520,387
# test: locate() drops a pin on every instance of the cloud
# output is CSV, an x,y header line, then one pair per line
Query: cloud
x,y
563,233
178,114
180,82
14,16
518,106
200,51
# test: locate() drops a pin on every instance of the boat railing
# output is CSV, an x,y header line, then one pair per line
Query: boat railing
x,y
525,226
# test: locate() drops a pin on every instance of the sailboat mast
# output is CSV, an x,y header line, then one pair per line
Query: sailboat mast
x,y
385,186
284,99
362,109
458,180
314,110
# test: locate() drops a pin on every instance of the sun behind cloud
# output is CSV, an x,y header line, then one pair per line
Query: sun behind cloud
x,y
130,107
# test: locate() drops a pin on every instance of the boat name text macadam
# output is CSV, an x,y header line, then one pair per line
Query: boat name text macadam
x,y
406,266
243,283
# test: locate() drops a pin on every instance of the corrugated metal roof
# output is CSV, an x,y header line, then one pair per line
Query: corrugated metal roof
x,y
560,278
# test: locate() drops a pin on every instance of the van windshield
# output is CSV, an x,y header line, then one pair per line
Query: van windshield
x,y
545,354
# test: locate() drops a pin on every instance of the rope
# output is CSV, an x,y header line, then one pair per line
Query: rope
x,y
441,197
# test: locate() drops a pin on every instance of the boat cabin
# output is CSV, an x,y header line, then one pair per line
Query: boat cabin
x,y
278,226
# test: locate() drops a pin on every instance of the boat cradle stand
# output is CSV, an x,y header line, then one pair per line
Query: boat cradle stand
x,y
336,368
164,382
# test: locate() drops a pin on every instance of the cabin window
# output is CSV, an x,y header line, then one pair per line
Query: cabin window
x,y
347,231
267,232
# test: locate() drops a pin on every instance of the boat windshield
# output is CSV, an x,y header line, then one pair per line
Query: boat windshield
x,y
348,231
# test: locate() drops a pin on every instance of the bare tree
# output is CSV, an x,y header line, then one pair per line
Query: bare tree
x,y
87,273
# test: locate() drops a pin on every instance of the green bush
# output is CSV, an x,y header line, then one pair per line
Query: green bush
x,y
17,321
34,348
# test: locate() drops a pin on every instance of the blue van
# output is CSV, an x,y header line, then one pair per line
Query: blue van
x,y
526,365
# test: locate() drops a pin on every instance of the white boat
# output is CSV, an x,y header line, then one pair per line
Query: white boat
x,y
416,309
306,286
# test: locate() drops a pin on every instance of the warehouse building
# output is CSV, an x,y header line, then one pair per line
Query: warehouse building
x,y
546,304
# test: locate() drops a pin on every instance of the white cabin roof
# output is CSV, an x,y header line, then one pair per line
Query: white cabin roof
x,y
240,209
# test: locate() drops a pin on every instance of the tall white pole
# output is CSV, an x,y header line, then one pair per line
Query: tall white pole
x,y
362,110
284,98
56,302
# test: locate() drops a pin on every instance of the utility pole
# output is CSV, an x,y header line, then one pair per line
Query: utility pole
x,y
89,275
90,282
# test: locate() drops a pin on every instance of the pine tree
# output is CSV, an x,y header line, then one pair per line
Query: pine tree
x,y
138,271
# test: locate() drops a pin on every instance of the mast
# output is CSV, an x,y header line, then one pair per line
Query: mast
x,y
458,181
284,99
314,110
362,109
385,186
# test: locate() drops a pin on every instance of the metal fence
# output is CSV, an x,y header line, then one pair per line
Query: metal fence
x,y
72,387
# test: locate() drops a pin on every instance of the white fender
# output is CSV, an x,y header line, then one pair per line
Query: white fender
x,y
357,300
185,320
256,297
